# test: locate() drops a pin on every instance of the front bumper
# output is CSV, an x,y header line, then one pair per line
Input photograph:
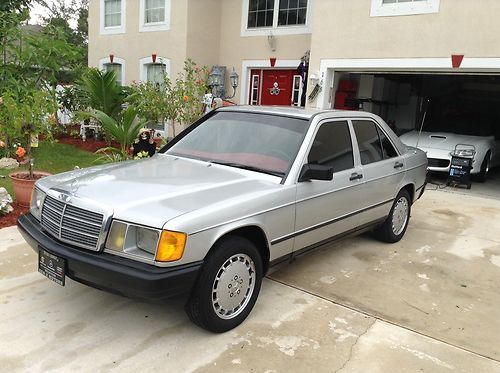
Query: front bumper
x,y
110,272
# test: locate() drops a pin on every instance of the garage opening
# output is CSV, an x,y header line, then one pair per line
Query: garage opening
x,y
450,109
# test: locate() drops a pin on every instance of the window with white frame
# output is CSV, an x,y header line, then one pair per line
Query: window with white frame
x,y
254,95
385,8
112,16
155,72
154,15
280,16
154,11
296,90
115,64
117,68
292,12
112,13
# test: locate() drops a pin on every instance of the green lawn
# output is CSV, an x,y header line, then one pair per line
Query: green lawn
x,y
53,158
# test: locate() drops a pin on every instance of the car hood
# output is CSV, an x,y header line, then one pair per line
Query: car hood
x,y
153,191
439,140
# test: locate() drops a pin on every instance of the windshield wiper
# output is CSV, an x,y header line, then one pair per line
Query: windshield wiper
x,y
250,168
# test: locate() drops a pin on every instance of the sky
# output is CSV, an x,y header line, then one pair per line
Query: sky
x,y
37,12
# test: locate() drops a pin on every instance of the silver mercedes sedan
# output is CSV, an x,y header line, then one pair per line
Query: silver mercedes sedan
x,y
239,191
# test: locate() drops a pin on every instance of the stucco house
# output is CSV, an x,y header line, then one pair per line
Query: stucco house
x,y
396,58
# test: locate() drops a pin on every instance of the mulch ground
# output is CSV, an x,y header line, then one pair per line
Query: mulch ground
x,y
11,218
90,145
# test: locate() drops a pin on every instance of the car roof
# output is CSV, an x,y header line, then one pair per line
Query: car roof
x,y
293,111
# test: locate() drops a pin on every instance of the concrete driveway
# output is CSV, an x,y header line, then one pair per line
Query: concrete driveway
x,y
429,303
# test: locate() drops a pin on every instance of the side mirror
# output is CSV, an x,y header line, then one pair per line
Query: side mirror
x,y
311,171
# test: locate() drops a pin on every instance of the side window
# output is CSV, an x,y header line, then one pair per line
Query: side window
x,y
332,146
370,147
387,147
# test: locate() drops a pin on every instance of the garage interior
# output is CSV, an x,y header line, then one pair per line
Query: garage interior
x,y
445,102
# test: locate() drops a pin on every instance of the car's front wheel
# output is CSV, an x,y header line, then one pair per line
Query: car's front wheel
x,y
228,285
485,168
394,227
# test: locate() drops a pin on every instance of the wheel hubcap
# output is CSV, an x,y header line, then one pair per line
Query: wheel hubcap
x,y
233,286
400,216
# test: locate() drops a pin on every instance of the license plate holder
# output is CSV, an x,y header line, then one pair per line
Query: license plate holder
x,y
52,266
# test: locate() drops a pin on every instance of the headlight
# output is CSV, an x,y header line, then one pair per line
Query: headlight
x,y
146,243
36,203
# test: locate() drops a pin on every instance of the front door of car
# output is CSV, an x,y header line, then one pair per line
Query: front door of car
x,y
325,208
382,168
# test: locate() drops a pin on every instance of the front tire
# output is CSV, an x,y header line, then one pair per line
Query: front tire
x,y
394,227
228,285
485,168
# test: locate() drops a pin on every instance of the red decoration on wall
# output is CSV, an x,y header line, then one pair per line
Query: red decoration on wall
x,y
456,60
272,60
111,58
153,57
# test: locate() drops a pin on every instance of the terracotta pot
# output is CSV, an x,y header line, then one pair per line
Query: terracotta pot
x,y
23,185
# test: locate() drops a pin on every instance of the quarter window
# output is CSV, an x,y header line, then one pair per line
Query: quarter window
x,y
154,11
387,148
370,147
332,146
112,13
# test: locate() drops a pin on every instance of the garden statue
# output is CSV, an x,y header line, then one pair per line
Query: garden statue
x,y
144,143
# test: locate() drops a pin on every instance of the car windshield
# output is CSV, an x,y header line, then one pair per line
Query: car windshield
x,y
259,142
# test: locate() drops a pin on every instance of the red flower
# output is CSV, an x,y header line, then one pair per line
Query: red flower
x,y
186,98
20,152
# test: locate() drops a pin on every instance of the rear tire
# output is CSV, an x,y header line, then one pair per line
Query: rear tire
x,y
485,168
394,227
228,285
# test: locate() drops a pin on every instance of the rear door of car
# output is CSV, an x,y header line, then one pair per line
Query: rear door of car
x,y
325,208
382,169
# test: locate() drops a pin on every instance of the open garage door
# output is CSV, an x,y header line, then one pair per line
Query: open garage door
x,y
450,109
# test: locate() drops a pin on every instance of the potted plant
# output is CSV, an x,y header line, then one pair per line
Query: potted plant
x,y
27,116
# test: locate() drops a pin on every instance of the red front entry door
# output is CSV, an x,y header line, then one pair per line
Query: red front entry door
x,y
277,87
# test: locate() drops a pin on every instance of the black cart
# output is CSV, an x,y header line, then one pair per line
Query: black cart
x,y
461,165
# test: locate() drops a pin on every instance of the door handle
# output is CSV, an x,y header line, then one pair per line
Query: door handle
x,y
356,176
398,165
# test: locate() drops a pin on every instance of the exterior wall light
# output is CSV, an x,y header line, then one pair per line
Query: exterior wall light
x,y
216,82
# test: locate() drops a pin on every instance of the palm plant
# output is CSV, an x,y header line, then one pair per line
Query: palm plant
x,y
102,92
125,130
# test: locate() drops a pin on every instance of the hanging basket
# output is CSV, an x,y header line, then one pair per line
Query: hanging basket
x,y
23,185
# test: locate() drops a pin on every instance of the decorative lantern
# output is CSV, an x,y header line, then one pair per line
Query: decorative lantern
x,y
233,78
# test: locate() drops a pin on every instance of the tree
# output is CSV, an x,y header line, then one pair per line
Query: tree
x,y
64,13
177,101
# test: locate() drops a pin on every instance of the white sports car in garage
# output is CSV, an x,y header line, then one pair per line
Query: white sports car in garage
x,y
440,145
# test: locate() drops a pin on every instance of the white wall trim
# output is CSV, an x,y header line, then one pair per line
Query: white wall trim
x,y
158,26
248,65
275,29
441,65
379,9
121,61
143,69
115,29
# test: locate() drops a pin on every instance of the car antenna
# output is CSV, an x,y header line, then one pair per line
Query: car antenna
x,y
423,120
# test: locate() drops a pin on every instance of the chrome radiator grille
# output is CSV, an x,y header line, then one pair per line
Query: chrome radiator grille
x,y
72,224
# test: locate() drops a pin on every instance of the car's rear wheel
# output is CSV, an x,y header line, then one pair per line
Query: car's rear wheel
x,y
228,285
485,168
394,227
